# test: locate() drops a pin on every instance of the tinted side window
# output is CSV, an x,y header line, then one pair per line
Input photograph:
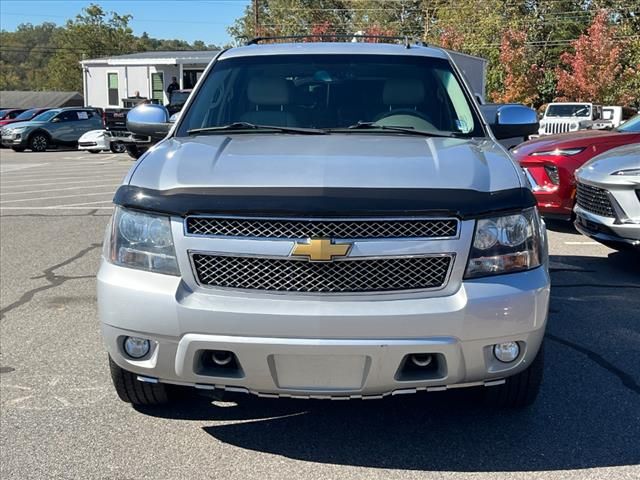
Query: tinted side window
x,y
68,116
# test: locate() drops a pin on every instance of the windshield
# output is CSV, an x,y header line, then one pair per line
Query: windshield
x,y
27,114
568,111
334,92
46,116
632,125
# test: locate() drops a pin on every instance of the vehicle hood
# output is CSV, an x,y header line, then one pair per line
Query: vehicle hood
x,y
568,140
28,124
326,161
600,168
92,135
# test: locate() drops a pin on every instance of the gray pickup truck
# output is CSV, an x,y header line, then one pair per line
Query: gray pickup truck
x,y
326,220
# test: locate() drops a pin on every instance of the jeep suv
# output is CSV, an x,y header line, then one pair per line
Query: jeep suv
x,y
57,127
569,117
326,220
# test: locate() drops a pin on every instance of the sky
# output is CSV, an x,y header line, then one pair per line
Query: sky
x,y
190,20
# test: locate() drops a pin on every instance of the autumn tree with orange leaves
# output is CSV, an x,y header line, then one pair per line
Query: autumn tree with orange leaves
x,y
594,72
521,76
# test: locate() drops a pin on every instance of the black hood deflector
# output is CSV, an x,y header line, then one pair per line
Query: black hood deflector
x,y
325,202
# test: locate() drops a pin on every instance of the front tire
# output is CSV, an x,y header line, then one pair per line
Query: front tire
x,y
38,142
135,152
519,390
135,392
117,147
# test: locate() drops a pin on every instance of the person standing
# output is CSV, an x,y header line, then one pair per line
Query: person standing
x,y
174,85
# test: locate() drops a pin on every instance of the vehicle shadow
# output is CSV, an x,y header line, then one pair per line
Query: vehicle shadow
x,y
560,226
586,415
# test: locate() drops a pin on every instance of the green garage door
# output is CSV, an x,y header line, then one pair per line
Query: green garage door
x,y
157,87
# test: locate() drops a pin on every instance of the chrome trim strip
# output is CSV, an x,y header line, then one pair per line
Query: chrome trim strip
x,y
534,185
621,216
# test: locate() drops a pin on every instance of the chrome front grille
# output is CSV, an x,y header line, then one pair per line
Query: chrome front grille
x,y
594,200
301,229
354,275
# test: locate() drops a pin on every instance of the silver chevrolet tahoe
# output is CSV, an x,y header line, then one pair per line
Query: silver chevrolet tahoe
x,y
326,220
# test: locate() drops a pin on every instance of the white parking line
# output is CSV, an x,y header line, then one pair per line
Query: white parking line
x,y
59,189
12,182
12,167
81,182
64,164
91,155
57,171
57,207
84,203
581,243
110,192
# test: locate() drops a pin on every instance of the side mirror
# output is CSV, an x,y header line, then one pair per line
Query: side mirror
x,y
509,121
149,120
55,120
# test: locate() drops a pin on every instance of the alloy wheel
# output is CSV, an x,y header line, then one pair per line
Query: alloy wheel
x,y
39,143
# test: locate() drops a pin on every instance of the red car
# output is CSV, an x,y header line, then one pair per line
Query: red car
x,y
13,116
9,114
551,161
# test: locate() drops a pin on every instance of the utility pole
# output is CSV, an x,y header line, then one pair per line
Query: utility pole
x,y
256,19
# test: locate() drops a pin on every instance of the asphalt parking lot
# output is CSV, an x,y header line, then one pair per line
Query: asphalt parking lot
x,y
61,418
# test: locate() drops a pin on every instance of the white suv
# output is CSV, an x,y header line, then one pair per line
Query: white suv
x,y
569,117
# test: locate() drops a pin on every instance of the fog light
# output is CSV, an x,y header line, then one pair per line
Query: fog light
x,y
506,352
136,347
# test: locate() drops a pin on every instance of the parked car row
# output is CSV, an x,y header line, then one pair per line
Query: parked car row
x,y
590,177
91,129
54,127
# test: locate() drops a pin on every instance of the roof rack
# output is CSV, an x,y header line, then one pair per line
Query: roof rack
x,y
408,41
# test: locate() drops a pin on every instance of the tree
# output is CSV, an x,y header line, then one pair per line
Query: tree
x,y
521,77
593,72
398,18
293,17
24,56
91,34
474,27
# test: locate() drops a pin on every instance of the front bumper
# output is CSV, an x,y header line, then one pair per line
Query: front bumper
x,y
554,203
14,140
95,143
310,347
607,231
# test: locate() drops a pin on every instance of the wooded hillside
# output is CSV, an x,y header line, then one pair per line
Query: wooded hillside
x,y
46,57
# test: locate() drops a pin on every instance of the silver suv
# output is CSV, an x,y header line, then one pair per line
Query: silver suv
x,y
326,220
57,127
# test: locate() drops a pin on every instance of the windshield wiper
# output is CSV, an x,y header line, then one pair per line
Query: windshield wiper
x,y
253,126
409,130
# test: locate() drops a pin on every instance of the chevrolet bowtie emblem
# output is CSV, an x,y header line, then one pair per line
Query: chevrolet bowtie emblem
x,y
320,250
